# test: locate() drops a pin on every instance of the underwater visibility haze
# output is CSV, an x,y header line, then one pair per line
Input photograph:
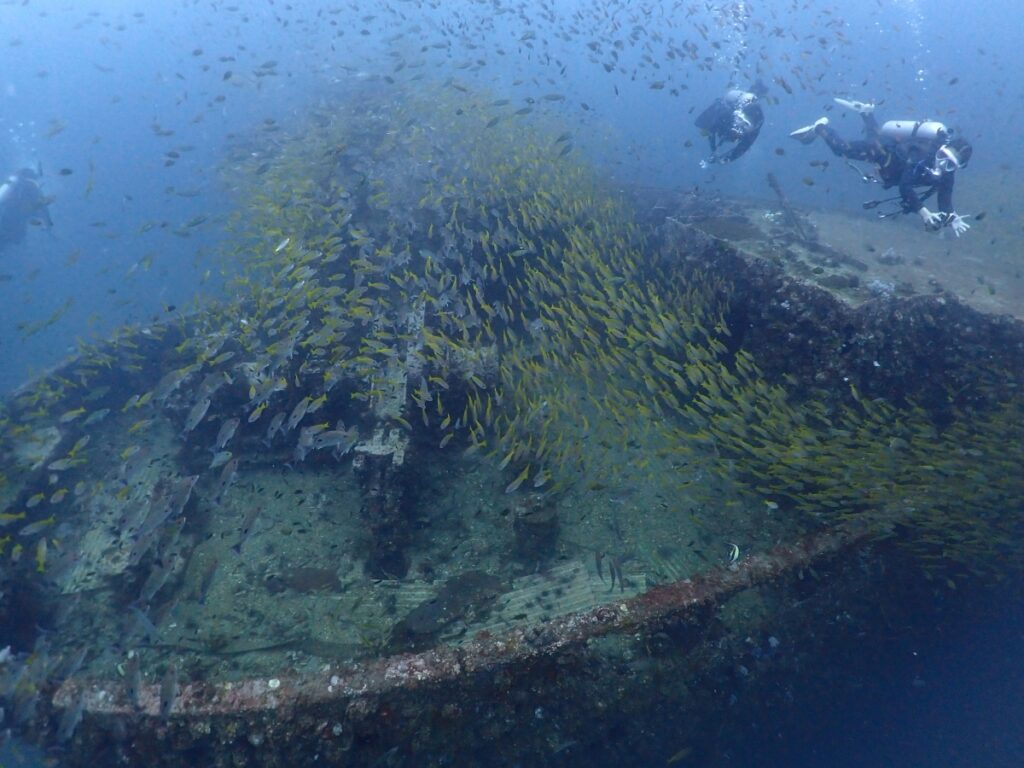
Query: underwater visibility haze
x,y
500,382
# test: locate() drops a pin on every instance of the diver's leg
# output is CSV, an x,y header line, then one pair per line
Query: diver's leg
x,y
871,129
869,151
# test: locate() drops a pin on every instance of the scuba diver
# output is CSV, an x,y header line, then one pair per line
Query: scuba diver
x,y
22,202
908,154
738,117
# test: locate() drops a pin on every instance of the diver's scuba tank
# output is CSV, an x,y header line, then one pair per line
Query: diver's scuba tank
x,y
7,188
738,97
923,132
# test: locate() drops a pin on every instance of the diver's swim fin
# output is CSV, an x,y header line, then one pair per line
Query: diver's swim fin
x,y
806,134
863,107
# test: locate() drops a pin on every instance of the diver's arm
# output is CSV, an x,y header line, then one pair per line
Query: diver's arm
x,y
945,189
912,202
951,218
755,119
909,196
741,146
39,203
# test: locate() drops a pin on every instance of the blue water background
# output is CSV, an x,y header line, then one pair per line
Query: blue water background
x,y
107,73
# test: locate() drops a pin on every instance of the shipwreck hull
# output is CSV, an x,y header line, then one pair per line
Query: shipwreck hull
x,y
696,654
451,702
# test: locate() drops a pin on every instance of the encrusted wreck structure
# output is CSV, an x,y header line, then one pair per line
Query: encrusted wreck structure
x,y
484,458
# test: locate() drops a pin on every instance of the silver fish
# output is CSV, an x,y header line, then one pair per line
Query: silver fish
x,y
168,691
71,718
99,415
152,633
275,427
154,583
297,413
266,388
144,544
342,440
211,383
135,461
133,678
226,432
171,381
248,526
37,527
227,476
206,580
181,493
220,459
196,415
135,513
168,506
306,437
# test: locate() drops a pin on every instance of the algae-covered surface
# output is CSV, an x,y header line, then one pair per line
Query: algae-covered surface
x,y
244,595
982,268
860,257
444,401
474,395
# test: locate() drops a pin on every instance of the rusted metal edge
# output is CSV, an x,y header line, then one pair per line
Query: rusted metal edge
x,y
337,684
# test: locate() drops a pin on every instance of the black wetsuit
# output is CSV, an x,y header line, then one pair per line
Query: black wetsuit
x,y
905,164
727,120
22,202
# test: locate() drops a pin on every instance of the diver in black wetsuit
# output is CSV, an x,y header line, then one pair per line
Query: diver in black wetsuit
x,y
738,117
909,154
22,202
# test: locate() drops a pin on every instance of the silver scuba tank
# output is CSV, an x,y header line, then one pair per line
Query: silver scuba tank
x,y
739,97
924,132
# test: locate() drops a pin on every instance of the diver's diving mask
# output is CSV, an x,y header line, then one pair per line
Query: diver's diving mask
x,y
947,160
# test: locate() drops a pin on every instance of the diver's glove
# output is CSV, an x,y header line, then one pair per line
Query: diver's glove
x,y
708,161
958,223
932,221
